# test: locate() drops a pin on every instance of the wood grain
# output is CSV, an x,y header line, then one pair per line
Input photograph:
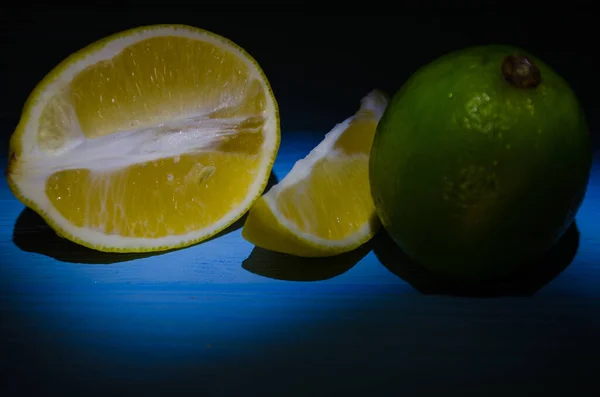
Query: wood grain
x,y
226,318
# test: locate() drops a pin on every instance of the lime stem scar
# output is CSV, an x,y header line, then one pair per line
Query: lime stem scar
x,y
519,71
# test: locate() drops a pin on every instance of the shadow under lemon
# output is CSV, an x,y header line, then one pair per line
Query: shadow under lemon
x,y
533,278
32,234
280,266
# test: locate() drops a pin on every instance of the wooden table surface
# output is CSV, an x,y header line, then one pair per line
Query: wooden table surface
x,y
226,318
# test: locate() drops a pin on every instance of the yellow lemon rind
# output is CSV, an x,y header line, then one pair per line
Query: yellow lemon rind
x,y
267,230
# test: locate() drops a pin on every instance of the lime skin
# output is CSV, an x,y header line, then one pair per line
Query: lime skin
x,y
476,172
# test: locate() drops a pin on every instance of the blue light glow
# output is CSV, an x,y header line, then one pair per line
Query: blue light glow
x,y
225,310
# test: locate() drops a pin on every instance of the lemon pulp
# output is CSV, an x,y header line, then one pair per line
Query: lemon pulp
x,y
323,207
154,138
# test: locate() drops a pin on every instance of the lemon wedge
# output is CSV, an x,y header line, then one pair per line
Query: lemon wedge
x,y
323,206
154,138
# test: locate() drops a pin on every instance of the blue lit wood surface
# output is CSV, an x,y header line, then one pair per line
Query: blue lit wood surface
x,y
225,318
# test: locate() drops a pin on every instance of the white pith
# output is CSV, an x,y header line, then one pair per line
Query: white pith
x,y
194,133
376,102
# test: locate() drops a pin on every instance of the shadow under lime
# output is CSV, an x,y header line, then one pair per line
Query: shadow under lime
x,y
534,276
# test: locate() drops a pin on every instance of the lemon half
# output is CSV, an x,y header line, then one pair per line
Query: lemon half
x,y
154,138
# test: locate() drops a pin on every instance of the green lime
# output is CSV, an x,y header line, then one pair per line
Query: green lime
x,y
480,162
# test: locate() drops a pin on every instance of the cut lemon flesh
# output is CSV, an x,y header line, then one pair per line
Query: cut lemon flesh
x,y
154,138
323,206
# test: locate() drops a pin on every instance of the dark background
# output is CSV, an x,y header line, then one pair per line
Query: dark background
x,y
319,67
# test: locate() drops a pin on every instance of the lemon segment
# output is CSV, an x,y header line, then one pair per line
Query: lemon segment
x,y
323,207
154,138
